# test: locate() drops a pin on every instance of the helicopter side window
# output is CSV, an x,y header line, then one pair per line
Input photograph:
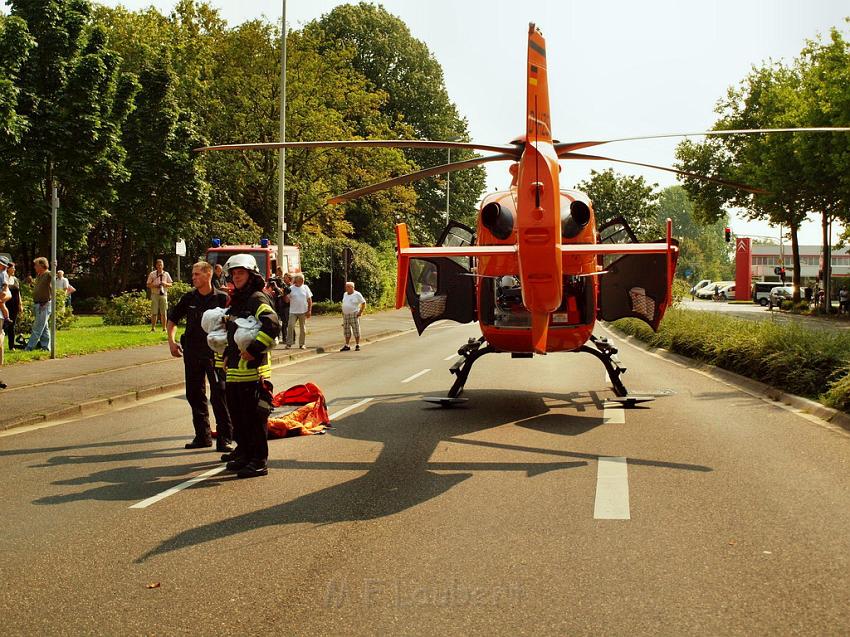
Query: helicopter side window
x,y
425,278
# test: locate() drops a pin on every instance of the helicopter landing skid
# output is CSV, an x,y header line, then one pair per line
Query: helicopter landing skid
x,y
470,352
606,353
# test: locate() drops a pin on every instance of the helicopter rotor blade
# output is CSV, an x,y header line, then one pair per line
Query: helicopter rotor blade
x,y
420,174
513,150
714,180
570,146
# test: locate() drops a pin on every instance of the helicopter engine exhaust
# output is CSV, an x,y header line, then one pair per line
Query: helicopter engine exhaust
x,y
574,220
498,220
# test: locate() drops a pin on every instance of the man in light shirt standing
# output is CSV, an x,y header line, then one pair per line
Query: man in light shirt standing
x,y
353,305
300,309
158,283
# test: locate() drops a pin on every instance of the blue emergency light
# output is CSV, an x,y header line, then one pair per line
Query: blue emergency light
x,y
216,243
264,242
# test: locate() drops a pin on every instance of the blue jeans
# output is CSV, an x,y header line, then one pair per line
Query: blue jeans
x,y
40,336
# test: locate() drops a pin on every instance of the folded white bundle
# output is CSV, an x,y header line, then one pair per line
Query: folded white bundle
x,y
246,332
212,322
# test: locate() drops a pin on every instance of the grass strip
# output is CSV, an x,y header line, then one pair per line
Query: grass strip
x,y
806,362
88,335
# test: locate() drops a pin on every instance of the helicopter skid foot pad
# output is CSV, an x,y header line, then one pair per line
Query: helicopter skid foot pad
x,y
443,401
630,401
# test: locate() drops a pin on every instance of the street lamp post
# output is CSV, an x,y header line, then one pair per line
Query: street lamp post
x,y
448,177
281,220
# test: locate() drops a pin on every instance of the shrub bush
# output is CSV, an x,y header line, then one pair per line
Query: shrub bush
x,y
326,307
176,291
789,357
64,315
91,305
130,308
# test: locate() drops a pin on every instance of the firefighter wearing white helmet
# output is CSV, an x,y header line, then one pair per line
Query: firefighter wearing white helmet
x,y
245,261
248,386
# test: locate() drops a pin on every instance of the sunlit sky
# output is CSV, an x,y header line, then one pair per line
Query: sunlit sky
x,y
616,68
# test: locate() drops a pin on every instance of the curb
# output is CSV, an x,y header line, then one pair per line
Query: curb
x,y
100,405
811,407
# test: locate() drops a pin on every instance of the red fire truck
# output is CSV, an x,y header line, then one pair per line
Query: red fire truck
x,y
268,256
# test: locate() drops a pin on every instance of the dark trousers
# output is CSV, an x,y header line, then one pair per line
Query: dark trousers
x,y
198,371
250,424
9,329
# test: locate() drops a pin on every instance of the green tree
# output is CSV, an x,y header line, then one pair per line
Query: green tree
x,y
393,61
824,68
75,102
767,98
165,189
15,47
702,248
614,195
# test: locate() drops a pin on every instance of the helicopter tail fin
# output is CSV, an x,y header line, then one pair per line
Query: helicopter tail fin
x,y
538,126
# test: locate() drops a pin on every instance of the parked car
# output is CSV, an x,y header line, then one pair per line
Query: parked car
x,y
702,283
707,292
761,292
728,293
783,293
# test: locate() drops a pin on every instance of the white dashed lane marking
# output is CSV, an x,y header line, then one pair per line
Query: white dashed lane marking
x,y
613,414
612,489
415,376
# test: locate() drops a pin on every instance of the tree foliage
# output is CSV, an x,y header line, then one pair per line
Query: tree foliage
x,y
417,104
615,195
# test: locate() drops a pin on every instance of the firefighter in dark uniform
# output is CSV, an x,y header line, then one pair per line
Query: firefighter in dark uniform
x,y
248,388
200,362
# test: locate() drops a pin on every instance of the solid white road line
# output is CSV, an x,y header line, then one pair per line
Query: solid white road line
x,y
212,472
183,485
612,490
613,414
345,410
415,376
451,356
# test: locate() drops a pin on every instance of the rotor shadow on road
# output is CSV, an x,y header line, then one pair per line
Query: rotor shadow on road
x,y
403,475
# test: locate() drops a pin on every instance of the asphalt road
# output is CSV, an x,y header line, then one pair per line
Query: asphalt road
x,y
535,508
753,312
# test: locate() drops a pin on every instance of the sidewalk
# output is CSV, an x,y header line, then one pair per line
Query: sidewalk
x,y
64,387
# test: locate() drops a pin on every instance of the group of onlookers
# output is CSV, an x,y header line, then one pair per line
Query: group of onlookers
x,y
42,293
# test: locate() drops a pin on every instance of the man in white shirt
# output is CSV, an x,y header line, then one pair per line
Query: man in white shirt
x,y
158,283
62,283
300,309
353,305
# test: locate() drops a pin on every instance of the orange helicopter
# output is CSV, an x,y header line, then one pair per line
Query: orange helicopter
x,y
536,273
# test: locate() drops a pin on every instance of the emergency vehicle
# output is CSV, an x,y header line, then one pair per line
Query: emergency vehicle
x,y
265,254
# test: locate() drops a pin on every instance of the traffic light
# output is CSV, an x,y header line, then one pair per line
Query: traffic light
x,y
782,274
728,234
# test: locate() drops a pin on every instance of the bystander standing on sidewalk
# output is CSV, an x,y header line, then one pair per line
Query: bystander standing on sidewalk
x,y
200,363
158,283
353,305
300,309
62,283
13,305
42,292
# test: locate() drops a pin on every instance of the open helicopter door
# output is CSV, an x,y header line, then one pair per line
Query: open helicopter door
x,y
634,285
441,288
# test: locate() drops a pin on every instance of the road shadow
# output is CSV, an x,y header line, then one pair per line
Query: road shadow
x,y
403,475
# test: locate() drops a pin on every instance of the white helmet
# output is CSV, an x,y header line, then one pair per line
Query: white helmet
x,y
245,261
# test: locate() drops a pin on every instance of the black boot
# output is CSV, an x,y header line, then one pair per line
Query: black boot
x,y
253,469
224,445
199,443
